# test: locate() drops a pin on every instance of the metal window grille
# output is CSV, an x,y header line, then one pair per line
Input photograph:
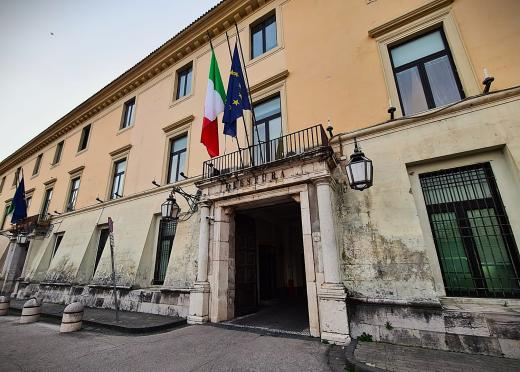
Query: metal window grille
x,y
474,241
167,230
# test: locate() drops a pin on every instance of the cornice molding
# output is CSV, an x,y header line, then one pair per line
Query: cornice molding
x,y
194,37
269,81
50,182
408,17
178,123
76,170
120,150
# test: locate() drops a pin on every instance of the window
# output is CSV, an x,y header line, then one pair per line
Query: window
x,y
83,141
103,237
28,201
57,242
177,158
128,113
473,238
184,77
73,194
118,179
167,230
2,182
267,129
46,202
263,36
7,212
37,164
425,74
16,176
57,153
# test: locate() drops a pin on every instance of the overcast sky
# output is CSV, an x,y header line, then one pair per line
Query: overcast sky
x,y
56,53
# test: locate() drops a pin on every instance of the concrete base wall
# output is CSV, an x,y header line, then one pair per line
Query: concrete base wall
x,y
148,300
494,333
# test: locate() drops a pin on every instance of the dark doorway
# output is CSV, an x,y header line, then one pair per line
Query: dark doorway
x,y
270,291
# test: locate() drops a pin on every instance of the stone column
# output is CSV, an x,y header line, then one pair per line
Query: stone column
x,y
13,266
332,296
199,295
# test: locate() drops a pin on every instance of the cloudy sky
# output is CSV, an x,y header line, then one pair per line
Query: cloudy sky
x,y
56,53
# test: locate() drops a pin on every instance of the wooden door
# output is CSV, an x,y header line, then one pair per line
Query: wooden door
x,y
245,266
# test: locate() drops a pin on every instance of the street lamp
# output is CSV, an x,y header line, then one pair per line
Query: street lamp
x,y
170,209
359,170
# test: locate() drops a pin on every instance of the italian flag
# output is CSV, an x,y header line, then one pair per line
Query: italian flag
x,y
214,105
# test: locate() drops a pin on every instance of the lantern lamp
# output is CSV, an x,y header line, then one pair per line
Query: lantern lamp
x,y
21,239
359,170
170,209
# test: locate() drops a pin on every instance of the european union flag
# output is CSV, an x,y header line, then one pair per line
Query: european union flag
x,y
237,98
18,203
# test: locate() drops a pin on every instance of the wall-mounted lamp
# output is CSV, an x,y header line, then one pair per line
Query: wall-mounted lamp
x,y
56,212
22,239
183,175
391,109
359,170
99,200
487,81
155,183
330,128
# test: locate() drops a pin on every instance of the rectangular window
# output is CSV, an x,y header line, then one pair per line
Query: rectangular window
x,y
263,36
103,237
184,77
37,164
16,176
474,241
425,73
267,130
57,242
28,200
2,182
73,194
177,161
83,141
167,230
128,113
6,213
46,202
57,153
118,179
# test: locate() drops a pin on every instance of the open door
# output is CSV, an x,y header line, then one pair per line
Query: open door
x,y
246,298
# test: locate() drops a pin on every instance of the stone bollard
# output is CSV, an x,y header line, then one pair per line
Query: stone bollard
x,y
31,311
4,305
72,318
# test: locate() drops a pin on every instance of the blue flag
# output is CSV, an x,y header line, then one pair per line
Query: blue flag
x,y
18,204
237,98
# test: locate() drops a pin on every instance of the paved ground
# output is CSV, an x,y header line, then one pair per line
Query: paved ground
x,y
40,347
131,322
407,359
284,317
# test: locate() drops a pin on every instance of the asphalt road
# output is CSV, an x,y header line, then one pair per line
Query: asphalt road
x,y
40,347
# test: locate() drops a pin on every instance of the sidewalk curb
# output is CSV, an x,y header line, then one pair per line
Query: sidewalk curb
x,y
354,364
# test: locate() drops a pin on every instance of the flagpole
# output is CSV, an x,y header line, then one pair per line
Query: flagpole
x,y
236,137
243,120
249,93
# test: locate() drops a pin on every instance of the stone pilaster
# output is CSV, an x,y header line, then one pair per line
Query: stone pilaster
x,y
199,295
331,295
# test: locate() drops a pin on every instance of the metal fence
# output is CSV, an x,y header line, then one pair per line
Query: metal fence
x,y
266,152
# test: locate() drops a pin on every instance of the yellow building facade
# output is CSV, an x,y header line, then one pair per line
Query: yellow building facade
x,y
408,260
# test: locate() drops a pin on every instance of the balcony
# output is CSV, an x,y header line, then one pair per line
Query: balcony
x,y
36,225
266,153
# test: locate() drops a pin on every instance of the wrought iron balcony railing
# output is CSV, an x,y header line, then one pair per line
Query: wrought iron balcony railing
x,y
38,225
267,152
